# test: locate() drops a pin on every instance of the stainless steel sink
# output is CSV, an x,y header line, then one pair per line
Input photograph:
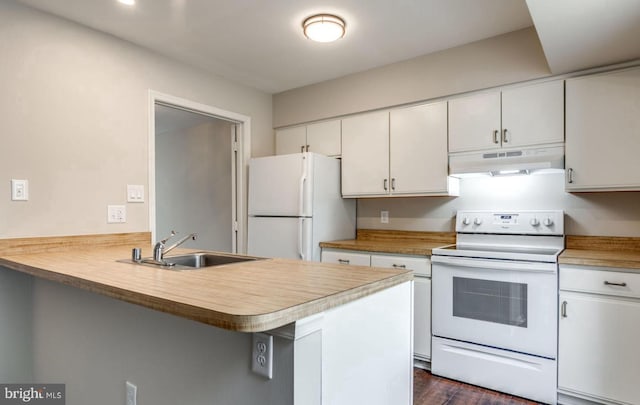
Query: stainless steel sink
x,y
193,261
203,259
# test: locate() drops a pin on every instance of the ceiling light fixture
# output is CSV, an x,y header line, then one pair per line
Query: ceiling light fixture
x,y
323,28
127,2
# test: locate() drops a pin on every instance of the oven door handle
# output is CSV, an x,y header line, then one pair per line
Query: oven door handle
x,y
499,265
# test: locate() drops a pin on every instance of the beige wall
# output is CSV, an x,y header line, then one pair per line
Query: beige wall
x,y
508,58
75,107
611,214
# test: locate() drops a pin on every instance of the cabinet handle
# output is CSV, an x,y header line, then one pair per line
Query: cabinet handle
x,y
496,138
384,184
570,175
301,148
307,148
399,266
504,135
343,261
616,284
563,310
393,183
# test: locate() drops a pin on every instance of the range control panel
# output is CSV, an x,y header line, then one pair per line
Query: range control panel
x,y
511,222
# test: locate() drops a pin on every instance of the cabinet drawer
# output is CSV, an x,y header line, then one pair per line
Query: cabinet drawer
x,y
599,281
342,257
420,265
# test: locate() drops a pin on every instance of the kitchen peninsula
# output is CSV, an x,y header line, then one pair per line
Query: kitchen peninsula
x,y
326,320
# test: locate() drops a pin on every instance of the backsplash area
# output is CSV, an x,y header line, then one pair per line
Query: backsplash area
x,y
607,214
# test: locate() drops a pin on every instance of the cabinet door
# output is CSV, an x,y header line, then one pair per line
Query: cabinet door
x,y
533,115
598,351
343,257
422,318
365,155
474,122
421,297
291,140
418,149
603,132
324,137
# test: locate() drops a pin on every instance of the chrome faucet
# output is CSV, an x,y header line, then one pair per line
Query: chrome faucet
x,y
159,250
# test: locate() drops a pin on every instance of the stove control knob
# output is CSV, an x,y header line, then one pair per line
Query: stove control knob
x,y
466,221
548,221
535,222
477,221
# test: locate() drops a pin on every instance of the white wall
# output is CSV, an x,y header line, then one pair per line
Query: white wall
x,y
504,59
75,111
193,184
607,214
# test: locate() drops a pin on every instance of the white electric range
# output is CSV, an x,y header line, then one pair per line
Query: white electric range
x,y
495,302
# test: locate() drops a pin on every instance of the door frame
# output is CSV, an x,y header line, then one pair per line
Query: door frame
x,y
241,150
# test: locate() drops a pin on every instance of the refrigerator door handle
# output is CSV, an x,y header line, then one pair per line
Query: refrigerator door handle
x,y
300,238
303,179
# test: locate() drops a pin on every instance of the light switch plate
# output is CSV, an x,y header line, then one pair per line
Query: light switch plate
x,y
116,214
19,190
135,193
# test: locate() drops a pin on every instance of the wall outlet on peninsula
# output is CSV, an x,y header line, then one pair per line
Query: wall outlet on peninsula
x,y
262,355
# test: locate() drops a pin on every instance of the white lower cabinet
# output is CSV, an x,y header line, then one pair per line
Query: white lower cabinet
x,y
342,257
599,335
421,266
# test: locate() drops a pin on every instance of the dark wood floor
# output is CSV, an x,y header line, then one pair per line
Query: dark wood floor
x,y
432,390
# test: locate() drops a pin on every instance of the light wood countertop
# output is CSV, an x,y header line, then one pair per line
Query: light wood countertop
x,y
602,251
248,297
398,242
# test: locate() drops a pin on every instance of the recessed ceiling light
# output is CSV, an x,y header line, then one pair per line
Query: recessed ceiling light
x,y
324,28
127,2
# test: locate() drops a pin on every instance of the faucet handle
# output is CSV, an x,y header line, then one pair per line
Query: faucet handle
x,y
163,241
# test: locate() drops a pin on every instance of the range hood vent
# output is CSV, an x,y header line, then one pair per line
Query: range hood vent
x,y
524,160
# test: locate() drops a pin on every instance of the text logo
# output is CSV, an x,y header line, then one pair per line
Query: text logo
x,y
39,394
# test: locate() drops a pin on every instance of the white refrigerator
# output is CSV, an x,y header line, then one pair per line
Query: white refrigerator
x,y
294,204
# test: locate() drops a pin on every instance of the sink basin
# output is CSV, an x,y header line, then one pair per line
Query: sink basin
x,y
203,259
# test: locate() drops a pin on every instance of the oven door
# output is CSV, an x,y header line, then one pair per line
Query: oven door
x,y
499,303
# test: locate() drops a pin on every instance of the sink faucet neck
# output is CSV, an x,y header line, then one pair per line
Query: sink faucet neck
x,y
159,250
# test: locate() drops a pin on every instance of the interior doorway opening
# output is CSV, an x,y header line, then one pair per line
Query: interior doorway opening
x,y
197,173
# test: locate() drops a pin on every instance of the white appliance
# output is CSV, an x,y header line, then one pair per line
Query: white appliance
x,y
549,158
495,302
294,204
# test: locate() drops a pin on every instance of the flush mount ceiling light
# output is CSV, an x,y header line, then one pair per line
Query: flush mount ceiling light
x,y
127,2
323,28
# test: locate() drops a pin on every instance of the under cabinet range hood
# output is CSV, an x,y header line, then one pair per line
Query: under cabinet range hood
x,y
548,158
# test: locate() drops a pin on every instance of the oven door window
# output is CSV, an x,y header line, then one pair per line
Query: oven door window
x,y
491,301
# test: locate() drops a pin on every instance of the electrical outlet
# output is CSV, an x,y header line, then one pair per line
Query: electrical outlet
x,y
384,217
132,394
262,355
116,214
19,190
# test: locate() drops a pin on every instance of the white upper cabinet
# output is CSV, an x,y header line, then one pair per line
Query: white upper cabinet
x,y
291,140
516,117
321,137
401,152
603,132
474,122
533,115
365,155
418,149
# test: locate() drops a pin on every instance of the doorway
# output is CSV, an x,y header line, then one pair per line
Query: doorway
x,y
197,173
